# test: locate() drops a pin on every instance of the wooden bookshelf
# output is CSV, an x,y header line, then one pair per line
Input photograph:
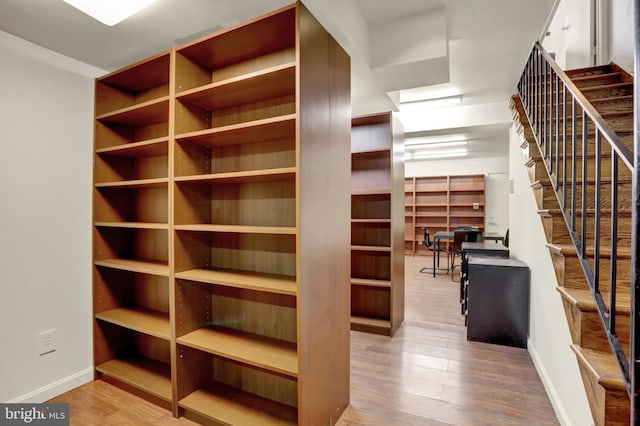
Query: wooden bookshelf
x,y
441,203
148,376
377,265
221,225
131,286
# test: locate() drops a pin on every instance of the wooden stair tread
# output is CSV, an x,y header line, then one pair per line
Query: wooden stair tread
x,y
605,86
602,365
584,301
570,250
593,70
609,74
590,181
558,211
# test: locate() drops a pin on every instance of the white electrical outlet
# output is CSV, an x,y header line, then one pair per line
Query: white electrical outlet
x,y
46,341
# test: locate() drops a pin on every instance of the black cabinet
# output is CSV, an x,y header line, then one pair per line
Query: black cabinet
x,y
484,249
497,299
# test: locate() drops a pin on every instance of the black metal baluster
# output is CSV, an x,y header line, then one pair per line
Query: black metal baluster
x,y
613,273
564,147
598,206
583,204
574,167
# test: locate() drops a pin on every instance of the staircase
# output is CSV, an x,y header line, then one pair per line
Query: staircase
x,y
581,179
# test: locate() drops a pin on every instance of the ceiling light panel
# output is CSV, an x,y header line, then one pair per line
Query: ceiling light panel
x,y
110,12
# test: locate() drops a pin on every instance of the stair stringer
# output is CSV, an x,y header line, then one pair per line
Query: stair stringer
x,y
608,400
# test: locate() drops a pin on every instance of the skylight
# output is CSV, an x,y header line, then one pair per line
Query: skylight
x,y
110,12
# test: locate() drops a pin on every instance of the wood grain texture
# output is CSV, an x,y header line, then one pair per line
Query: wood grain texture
x,y
324,152
428,374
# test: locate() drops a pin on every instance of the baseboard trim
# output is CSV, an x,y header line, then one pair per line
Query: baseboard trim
x,y
56,388
561,414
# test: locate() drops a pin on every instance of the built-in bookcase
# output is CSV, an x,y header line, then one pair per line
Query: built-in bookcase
x,y
132,331
221,225
377,265
441,203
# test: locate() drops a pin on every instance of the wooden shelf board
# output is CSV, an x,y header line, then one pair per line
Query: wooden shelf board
x,y
465,204
274,128
269,83
150,376
370,248
153,323
270,354
371,322
246,176
147,148
142,266
433,205
259,282
226,405
153,111
477,216
138,183
370,282
239,229
478,190
372,151
366,192
133,225
431,191
370,220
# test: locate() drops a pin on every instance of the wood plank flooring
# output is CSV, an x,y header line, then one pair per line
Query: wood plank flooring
x,y
428,374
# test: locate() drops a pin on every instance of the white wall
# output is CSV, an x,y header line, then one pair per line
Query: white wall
x,y
495,170
570,34
549,337
45,217
621,36
571,27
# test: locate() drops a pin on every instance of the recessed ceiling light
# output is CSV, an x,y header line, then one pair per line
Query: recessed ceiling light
x,y
441,154
430,103
422,145
110,12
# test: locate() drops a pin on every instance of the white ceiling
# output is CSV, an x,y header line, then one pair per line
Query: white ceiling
x,y
400,49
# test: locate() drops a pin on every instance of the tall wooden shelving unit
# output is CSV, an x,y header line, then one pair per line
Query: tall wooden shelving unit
x,y
132,327
441,203
222,225
377,258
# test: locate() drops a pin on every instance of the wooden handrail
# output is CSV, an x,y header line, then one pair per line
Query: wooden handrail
x,y
616,143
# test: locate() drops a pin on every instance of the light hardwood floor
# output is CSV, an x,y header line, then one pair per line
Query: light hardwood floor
x,y
428,374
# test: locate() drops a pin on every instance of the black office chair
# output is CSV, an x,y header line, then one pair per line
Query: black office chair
x,y
433,247
462,236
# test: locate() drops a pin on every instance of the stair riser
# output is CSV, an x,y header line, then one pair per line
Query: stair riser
x,y
619,123
569,272
546,197
584,72
582,82
616,105
598,80
592,334
556,230
608,407
588,331
595,92
624,173
608,92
